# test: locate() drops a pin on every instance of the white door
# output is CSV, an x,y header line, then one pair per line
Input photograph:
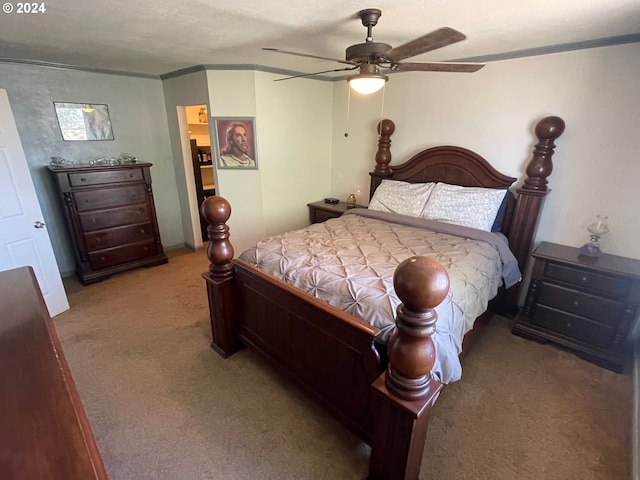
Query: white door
x,y
23,235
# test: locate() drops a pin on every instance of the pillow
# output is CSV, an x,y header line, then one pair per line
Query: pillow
x,y
497,223
401,197
474,207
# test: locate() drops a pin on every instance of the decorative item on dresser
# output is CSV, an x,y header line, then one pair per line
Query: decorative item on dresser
x,y
586,304
321,211
111,217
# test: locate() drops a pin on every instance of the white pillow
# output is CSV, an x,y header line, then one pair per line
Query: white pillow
x,y
474,207
401,197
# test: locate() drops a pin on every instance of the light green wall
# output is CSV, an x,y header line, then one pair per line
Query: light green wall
x,y
293,134
293,151
493,111
139,121
182,91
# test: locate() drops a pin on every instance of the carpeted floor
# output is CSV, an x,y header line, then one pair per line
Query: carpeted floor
x,y
164,406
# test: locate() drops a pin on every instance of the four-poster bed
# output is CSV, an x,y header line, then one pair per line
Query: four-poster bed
x,y
331,354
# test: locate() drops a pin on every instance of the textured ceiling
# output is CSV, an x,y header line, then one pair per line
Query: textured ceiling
x,y
162,36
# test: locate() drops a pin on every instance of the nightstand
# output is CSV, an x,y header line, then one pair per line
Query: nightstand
x,y
586,304
320,211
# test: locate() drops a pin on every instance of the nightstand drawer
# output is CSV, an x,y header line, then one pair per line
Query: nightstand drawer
x,y
613,286
573,326
323,215
596,308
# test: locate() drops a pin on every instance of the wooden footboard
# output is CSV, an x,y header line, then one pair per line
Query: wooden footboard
x,y
331,354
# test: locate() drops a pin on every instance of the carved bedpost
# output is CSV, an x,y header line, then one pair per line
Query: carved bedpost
x,y
216,211
383,156
531,194
404,394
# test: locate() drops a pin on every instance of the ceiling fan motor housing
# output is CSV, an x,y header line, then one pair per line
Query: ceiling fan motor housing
x,y
367,52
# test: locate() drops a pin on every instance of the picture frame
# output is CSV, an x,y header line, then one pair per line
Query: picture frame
x,y
83,121
235,143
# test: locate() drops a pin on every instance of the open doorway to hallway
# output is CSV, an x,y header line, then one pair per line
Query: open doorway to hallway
x,y
199,137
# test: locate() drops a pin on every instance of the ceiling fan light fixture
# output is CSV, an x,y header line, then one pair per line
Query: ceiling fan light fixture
x,y
368,81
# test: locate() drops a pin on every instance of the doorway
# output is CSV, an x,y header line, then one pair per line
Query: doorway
x,y
199,137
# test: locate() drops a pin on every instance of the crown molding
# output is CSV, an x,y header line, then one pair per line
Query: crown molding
x,y
64,66
565,47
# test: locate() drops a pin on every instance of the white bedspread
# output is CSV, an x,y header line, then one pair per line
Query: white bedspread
x,y
349,262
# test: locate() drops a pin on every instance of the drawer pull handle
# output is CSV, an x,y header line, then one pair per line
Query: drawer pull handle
x,y
93,220
131,175
576,303
102,258
142,230
83,179
584,279
568,324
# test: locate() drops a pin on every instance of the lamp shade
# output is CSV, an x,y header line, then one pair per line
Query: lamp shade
x,y
369,80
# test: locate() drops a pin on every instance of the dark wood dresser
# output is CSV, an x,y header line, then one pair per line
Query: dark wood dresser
x,y
112,218
586,304
44,431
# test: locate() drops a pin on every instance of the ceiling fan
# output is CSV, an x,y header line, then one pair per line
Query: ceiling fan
x,y
370,57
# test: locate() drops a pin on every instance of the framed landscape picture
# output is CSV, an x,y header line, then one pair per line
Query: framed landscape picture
x,y
83,121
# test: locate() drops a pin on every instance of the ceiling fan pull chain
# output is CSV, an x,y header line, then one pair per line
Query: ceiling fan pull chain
x,y
346,132
382,104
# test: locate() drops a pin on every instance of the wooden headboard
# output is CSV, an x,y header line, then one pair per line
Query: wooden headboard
x,y
460,166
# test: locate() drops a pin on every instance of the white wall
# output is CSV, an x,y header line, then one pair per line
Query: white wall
x,y
293,153
295,145
494,111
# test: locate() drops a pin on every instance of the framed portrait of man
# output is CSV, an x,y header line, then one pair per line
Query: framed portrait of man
x,y
235,143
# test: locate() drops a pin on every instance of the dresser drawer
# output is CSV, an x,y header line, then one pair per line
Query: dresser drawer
x,y
118,236
613,286
573,326
596,308
118,255
320,215
80,179
109,197
102,219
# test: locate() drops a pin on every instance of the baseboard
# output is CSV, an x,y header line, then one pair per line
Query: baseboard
x,y
635,420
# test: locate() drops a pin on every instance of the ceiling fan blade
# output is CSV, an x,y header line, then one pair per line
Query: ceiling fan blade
x,y
437,67
437,39
315,73
306,55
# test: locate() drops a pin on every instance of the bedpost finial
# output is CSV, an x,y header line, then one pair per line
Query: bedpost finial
x,y
383,156
540,166
549,128
215,210
421,283
386,127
